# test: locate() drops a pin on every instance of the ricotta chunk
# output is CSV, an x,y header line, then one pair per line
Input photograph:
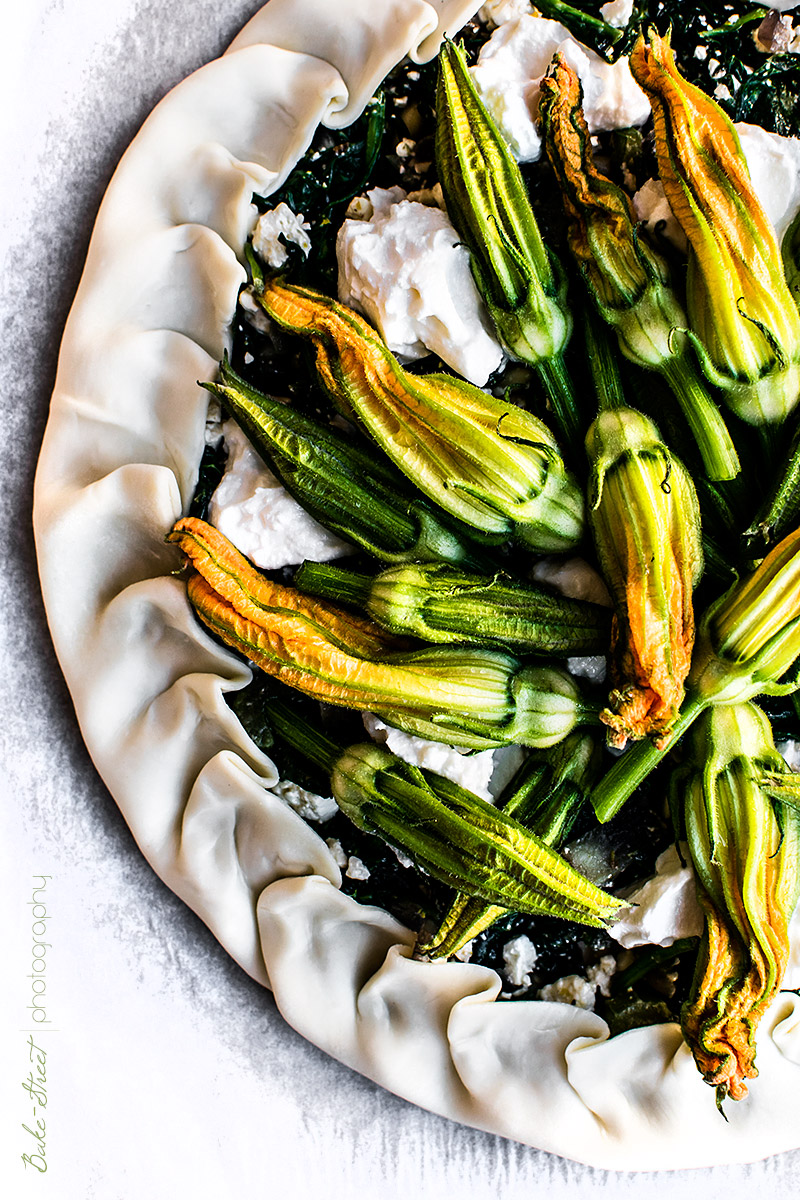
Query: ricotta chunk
x,y
572,577
651,205
617,12
790,749
571,989
338,852
255,512
500,12
774,165
589,666
519,956
308,805
472,771
666,907
408,271
274,224
510,67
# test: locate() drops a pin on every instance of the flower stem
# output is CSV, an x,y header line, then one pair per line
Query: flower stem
x,y
703,417
618,784
311,743
561,393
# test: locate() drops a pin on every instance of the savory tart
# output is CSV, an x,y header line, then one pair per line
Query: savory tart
x,y
197,212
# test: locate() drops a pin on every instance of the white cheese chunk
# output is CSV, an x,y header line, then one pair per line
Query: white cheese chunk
x,y
308,805
519,956
617,12
666,907
471,771
338,852
255,512
572,577
500,12
276,223
510,67
356,869
408,271
571,989
790,749
774,165
651,206
589,666
599,976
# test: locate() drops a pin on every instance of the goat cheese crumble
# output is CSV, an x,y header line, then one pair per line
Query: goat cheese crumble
x,y
519,956
571,989
407,270
664,908
510,67
276,223
255,512
617,12
307,805
471,771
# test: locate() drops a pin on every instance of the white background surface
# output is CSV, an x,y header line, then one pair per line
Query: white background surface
x,y
170,1073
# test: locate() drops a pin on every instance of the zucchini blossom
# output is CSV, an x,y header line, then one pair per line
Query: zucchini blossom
x,y
443,604
485,461
521,282
747,642
646,525
545,796
751,636
744,322
467,696
450,833
342,484
628,280
746,852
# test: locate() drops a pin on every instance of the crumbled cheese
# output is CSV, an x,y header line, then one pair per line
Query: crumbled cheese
x,y
255,512
337,851
404,859
571,989
572,577
308,805
666,907
590,666
519,956
214,421
600,974
617,12
277,223
471,771
774,165
510,67
651,206
253,311
356,869
465,953
408,271
500,12
790,749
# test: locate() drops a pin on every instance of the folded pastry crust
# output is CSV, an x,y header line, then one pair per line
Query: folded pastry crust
x,y
118,466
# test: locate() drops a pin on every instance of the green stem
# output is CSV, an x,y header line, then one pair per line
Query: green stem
x,y
314,745
588,29
618,784
334,583
780,512
603,364
561,393
703,417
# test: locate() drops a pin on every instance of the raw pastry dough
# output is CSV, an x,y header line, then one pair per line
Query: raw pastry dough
x,y
118,467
